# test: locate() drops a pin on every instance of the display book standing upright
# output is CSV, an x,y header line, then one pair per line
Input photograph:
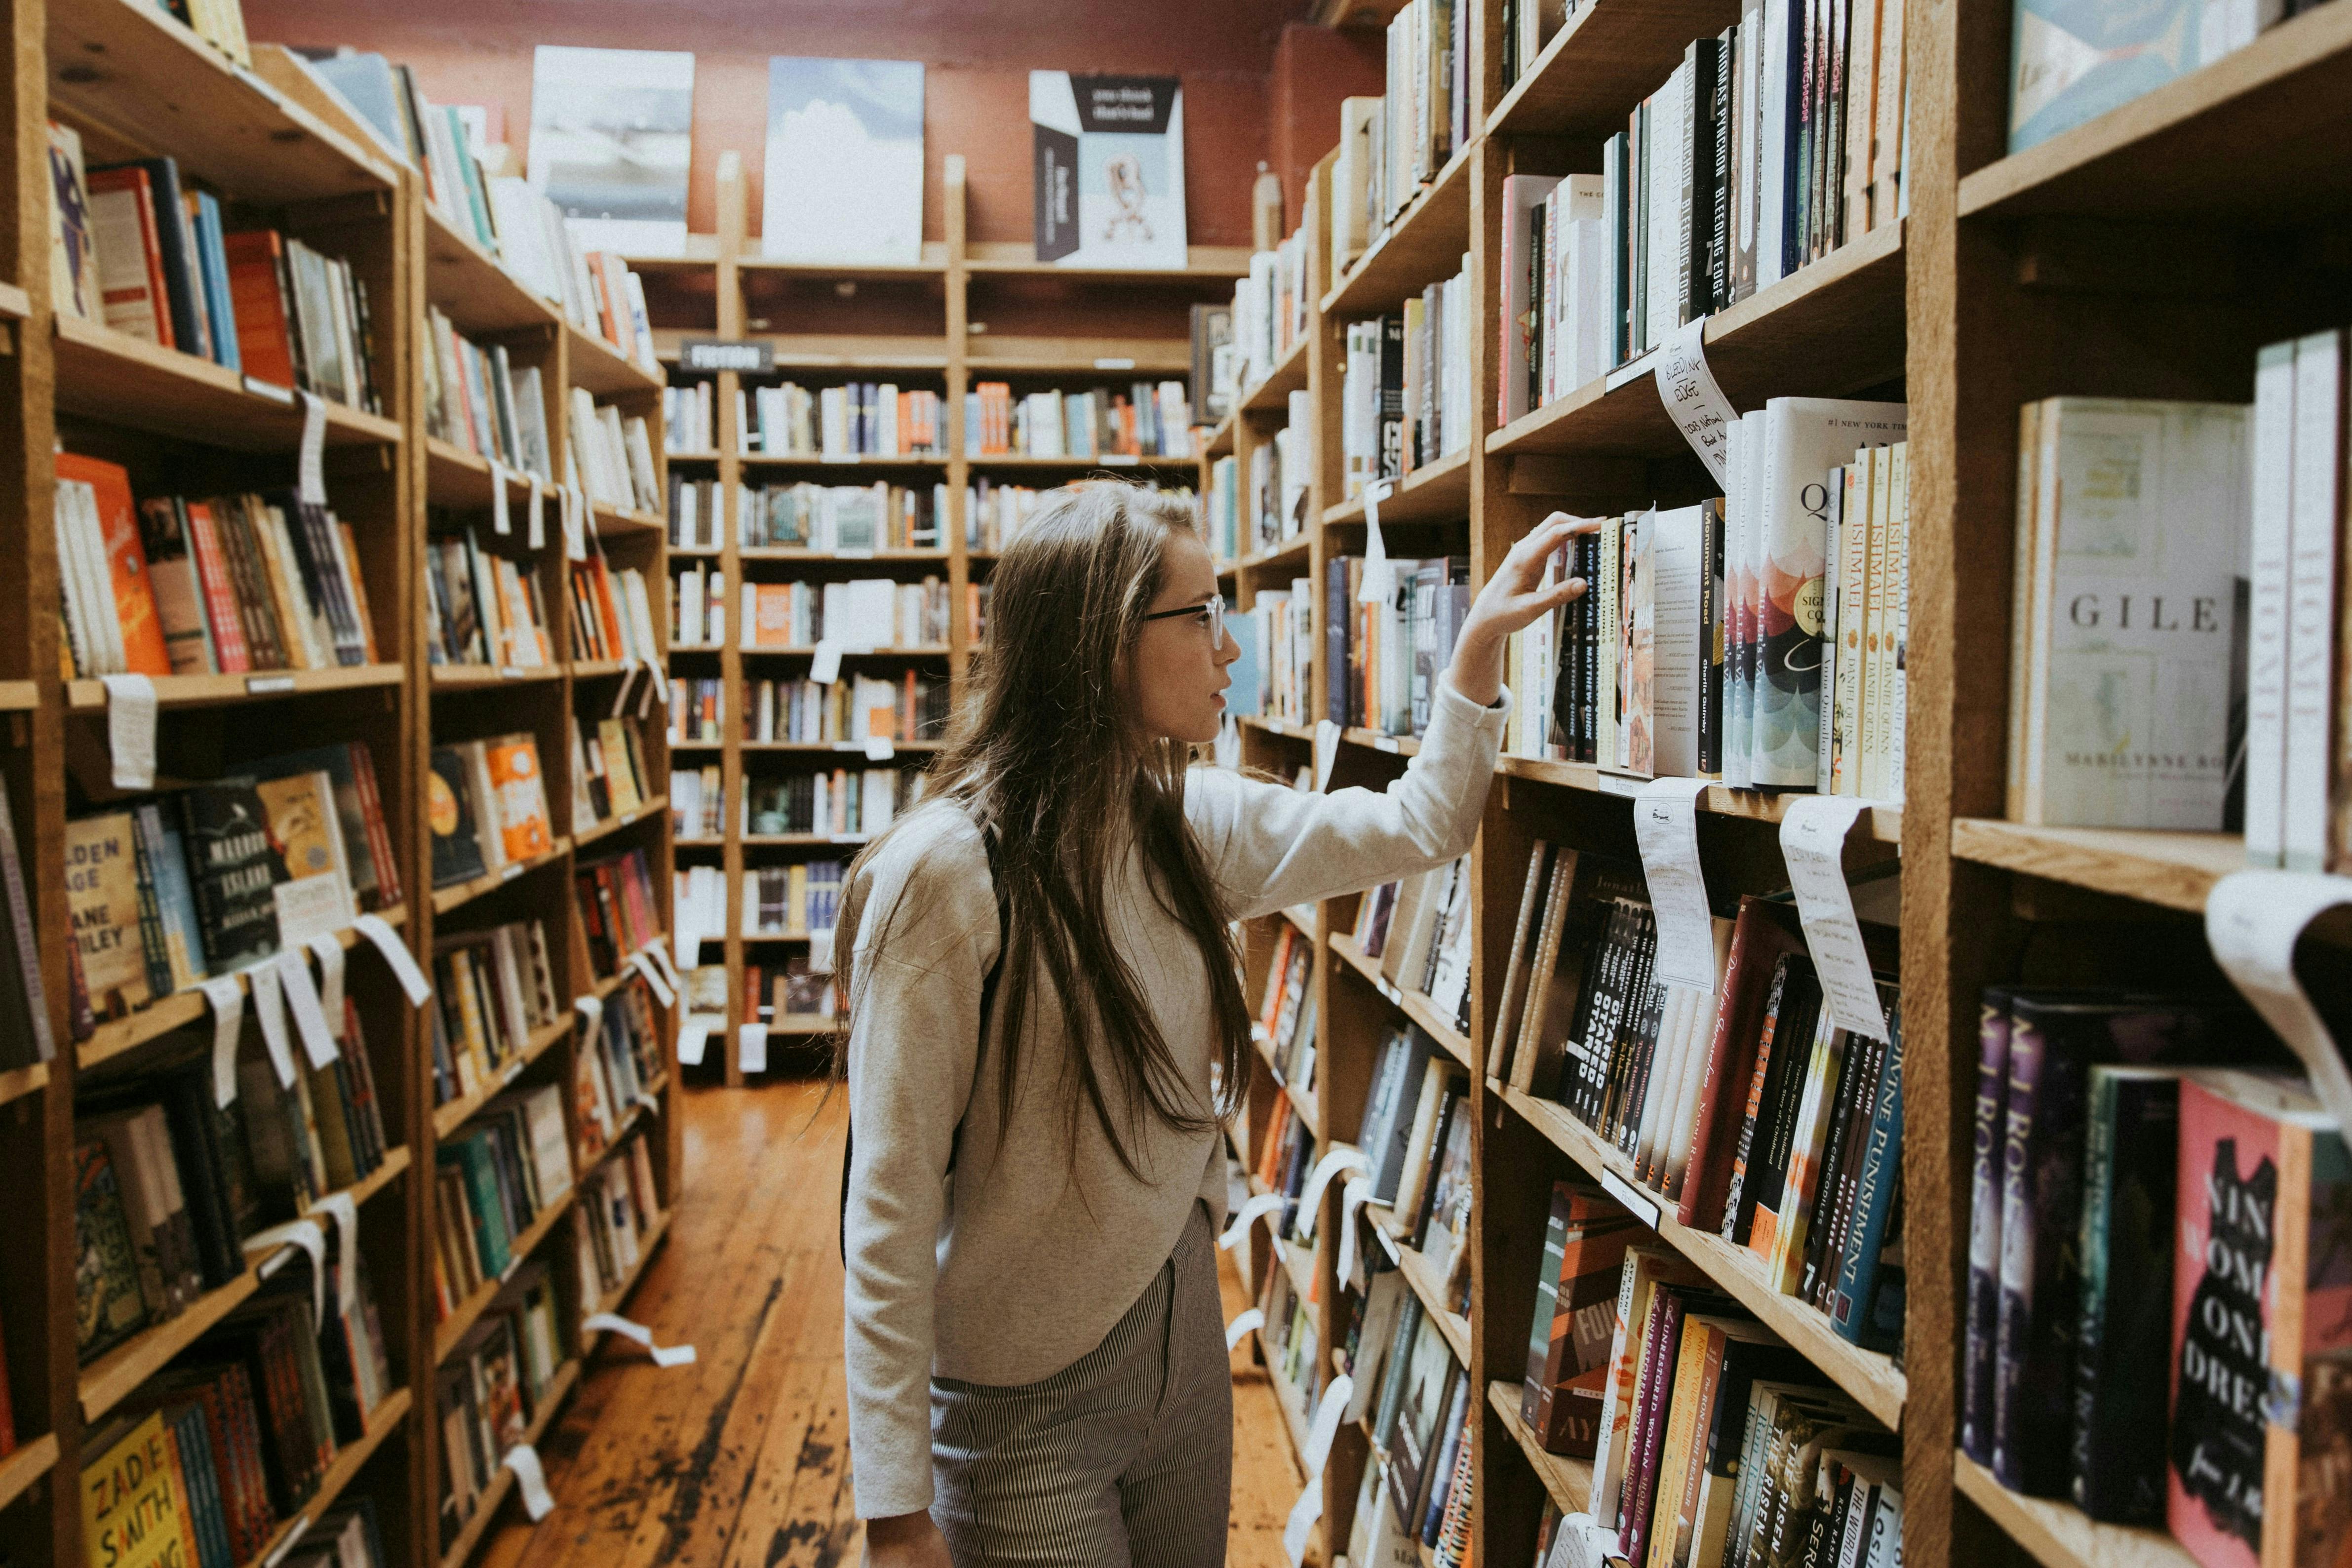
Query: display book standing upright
x,y
764,749
173,423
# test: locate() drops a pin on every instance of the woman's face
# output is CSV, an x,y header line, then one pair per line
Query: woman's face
x,y
1176,678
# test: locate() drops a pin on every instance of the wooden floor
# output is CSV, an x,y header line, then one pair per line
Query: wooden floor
x,y
742,1460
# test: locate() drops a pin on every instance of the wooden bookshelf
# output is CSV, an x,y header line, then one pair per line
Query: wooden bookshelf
x,y
135,83
486,1506
2059,1534
1568,1482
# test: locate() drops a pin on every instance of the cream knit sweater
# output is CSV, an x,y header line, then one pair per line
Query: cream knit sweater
x,y
1018,1265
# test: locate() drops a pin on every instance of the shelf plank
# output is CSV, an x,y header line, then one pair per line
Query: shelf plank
x,y
21,1081
148,84
2061,1535
473,288
1292,553
1603,61
1438,493
227,690
612,825
1411,1003
486,1506
457,893
118,379
455,1113
1882,823
166,1013
2258,133
389,1414
603,369
1833,328
1018,258
1022,462
473,676
1568,1482
106,1381
15,303
452,1328
1426,1284
1423,245
19,695
804,650
844,460
612,1300
457,477
1272,394
28,1464
1086,357
1874,1381
816,748
834,557
703,249
2175,869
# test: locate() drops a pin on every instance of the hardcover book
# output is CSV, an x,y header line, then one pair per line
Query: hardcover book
x,y
236,866
102,896
1109,170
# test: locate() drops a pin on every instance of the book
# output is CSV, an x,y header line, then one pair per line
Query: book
x,y
844,139
237,867
1109,154
313,898
74,286
25,1037
103,897
135,1507
109,1304
130,255
139,629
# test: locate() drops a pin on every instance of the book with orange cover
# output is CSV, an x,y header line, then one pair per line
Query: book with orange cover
x,y
143,652
524,824
256,289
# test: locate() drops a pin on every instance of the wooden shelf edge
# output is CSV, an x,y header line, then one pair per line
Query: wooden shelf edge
x,y
612,1300
1411,1003
609,826
29,1463
1568,1482
2177,870
255,686
24,1080
458,893
1439,194
2059,1534
389,1414
1872,1379
451,1330
1881,820
1421,1278
448,1118
1425,495
106,1381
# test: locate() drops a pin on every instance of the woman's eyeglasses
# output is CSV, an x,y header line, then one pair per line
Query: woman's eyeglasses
x,y
1212,613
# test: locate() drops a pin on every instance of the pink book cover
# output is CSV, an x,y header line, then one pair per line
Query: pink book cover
x,y
2259,1471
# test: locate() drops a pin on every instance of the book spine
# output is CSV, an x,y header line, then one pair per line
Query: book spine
x,y
1983,1307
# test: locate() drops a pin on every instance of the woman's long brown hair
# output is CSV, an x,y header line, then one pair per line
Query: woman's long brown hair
x,y
1044,759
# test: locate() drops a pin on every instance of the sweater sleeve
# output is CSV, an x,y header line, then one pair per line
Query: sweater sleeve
x,y
1272,845
914,1025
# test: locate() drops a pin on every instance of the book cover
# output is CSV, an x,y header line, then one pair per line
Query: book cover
x,y
1763,934
108,1305
129,254
1981,1310
144,650
845,141
134,1498
611,137
524,828
2072,60
174,251
236,866
73,266
2262,1327
1108,170
450,815
314,896
103,899
1866,1303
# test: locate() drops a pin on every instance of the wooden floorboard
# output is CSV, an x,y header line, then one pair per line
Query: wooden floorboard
x,y
742,1460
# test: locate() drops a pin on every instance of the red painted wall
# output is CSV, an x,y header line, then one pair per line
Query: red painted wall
x,y
1313,69
977,54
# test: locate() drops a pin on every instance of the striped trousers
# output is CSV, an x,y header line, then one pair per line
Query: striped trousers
x,y
1122,1459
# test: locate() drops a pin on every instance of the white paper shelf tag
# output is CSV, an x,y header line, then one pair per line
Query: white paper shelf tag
x,y
689,942
653,977
329,951
378,930
628,678
312,1237
1379,586
1693,400
1343,1158
694,1037
821,951
1264,1204
1236,1330
344,1210
1813,843
824,666
659,954
1666,826
131,729
227,995
269,1011
302,998
2254,919
1329,1412
311,468
614,1323
1327,752
501,518
880,749
751,1047
529,1481
591,1013
571,504
1352,1199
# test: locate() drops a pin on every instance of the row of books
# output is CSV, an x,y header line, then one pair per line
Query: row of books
x,y
1269,317
791,900
1285,1014
168,1185
618,909
1404,387
617,1069
696,710
1416,1136
490,1389
612,618
482,608
610,457
2155,1222
492,989
845,713
492,1179
1289,1339
994,513
1769,147
479,400
26,1038
690,417
1287,1152
698,802
478,189
619,1206
862,613
1222,526
841,803
133,247
1418,928
699,895
202,1463
1147,420
171,889
219,586
858,419
610,774
849,519
488,807
1748,1109
1384,660
2069,67
1390,147
1281,468
1420,1405
773,994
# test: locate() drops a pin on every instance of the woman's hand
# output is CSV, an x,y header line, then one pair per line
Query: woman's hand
x,y
1513,597
906,1541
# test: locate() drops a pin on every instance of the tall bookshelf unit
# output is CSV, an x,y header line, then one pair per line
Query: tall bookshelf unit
x,y
2009,278
966,313
135,83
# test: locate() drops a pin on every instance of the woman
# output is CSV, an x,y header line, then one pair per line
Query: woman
x,y
1036,1368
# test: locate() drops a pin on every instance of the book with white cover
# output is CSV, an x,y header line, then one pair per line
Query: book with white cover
x,y
1110,167
845,167
2142,505
612,131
